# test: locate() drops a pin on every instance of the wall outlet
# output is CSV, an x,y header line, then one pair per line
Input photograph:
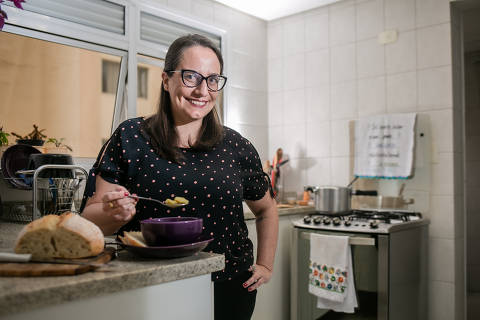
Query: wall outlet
x,y
389,36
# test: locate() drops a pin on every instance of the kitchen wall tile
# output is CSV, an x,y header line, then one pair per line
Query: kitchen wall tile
x,y
340,138
343,101
318,140
421,201
442,175
340,171
371,96
441,131
433,46
441,300
275,108
247,34
402,92
318,171
316,31
401,56
180,5
294,37
275,140
275,40
370,58
318,70
257,136
275,74
342,63
242,67
442,218
294,176
399,15
294,141
342,25
442,260
429,12
294,72
222,15
317,104
369,19
434,88
202,9
294,107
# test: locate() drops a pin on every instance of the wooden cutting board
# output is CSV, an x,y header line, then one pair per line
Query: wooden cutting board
x,y
32,269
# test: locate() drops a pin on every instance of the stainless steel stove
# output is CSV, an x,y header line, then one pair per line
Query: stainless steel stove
x,y
389,252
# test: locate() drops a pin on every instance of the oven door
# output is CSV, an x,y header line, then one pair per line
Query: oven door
x,y
370,265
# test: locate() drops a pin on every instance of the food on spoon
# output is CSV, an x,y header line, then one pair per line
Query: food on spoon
x,y
176,202
133,238
66,236
181,200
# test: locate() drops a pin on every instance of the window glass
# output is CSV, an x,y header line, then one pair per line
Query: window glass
x,y
60,89
149,75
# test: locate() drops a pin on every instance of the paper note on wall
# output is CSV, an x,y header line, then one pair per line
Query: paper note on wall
x,y
384,146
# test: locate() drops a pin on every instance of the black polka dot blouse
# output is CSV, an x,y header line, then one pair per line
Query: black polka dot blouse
x,y
215,182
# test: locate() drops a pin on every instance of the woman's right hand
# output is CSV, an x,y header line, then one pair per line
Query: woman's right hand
x,y
118,205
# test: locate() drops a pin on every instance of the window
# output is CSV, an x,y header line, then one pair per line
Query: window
x,y
110,71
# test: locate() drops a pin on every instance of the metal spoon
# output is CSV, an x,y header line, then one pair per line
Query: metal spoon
x,y
158,201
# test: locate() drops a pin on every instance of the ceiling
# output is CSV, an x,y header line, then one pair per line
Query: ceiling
x,y
274,9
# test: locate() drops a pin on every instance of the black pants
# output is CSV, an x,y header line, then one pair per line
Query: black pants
x,y
232,301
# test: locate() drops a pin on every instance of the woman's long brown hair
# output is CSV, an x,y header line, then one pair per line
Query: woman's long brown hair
x,y
160,128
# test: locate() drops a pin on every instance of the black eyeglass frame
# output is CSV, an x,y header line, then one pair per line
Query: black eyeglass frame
x,y
203,78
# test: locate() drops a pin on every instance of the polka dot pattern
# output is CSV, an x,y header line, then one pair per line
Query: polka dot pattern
x,y
215,182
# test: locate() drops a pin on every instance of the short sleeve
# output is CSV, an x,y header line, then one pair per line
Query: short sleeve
x,y
255,182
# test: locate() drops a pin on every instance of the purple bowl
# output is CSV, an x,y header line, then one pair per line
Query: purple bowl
x,y
171,231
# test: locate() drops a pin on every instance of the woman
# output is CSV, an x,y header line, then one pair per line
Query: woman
x,y
183,150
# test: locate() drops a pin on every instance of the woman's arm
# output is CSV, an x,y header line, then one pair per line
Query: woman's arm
x,y
108,208
266,214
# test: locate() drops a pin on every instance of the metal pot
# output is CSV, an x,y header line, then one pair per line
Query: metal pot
x,y
387,202
335,200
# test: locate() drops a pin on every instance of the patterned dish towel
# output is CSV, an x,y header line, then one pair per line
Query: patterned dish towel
x,y
331,273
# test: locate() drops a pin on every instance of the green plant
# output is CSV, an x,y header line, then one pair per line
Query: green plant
x,y
3,137
59,143
34,135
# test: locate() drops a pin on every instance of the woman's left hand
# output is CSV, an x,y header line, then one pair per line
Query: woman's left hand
x,y
261,275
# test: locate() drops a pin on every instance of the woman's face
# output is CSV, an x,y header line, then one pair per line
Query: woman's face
x,y
191,104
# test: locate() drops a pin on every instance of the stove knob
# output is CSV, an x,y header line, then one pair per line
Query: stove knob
x,y
317,220
336,221
347,223
374,224
327,221
307,219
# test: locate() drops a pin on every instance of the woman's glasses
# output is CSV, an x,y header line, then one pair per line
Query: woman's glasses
x,y
191,79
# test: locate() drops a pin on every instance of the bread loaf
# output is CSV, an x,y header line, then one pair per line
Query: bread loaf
x,y
66,236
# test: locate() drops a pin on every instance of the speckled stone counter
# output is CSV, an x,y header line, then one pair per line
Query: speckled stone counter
x,y
285,211
19,294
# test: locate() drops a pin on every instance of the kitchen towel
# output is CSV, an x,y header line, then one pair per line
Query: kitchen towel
x,y
384,146
331,273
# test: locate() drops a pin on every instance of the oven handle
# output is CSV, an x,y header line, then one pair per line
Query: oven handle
x,y
356,241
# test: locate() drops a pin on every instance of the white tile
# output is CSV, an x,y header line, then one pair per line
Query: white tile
x,y
370,58
342,25
275,40
318,104
258,136
401,56
317,68
434,88
294,37
441,128
442,260
318,140
429,12
402,92
371,96
275,74
294,137
294,107
399,15
442,175
340,171
369,19
434,46
442,218
294,72
203,9
275,140
294,176
275,108
441,297
343,101
222,15
340,138
318,171
316,31
342,63
180,5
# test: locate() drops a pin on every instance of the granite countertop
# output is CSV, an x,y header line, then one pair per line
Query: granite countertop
x,y
124,273
283,211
